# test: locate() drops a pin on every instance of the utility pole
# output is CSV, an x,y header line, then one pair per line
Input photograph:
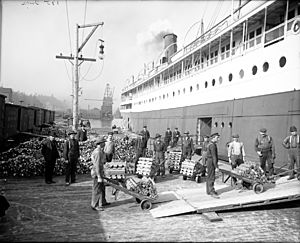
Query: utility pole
x,y
76,59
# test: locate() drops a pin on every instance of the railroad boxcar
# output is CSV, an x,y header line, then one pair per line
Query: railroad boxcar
x,y
2,116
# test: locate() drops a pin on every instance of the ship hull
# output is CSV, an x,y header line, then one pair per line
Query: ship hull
x,y
275,112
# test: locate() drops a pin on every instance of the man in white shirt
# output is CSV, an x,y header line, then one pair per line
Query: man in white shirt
x,y
236,152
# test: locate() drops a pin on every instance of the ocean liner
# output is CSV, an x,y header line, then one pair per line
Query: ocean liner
x,y
237,77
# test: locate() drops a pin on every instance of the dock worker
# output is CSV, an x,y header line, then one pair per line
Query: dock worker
x,y
71,154
292,143
159,149
82,134
146,136
168,137
187,146
50,153
176,136
265,148
204,149
109,148
139,149
98,192
212,165
236,152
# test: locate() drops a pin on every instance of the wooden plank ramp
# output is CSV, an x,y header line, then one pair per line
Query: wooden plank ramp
x,y
196,199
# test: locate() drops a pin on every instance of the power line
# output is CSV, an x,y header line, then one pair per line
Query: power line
x,y
67,12
85,7
71,79
93,79
90,65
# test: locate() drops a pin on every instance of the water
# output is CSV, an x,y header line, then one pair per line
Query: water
x,y
96,123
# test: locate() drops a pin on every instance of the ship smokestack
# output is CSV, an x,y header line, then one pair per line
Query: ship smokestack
x,y
170,46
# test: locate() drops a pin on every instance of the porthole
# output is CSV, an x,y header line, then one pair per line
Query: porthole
x,y
230,124
206,84
178,92
216,124
191,88
220,80
173,93
282,61
213,82
164,96
241,73
167,95
197,86
254,70
184,90
230,77
265,66
222,124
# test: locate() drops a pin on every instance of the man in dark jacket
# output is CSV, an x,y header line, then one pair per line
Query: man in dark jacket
x,y
187,146
50,153
145,137
71,155
82,134
212,165
168,137
159,149
176,136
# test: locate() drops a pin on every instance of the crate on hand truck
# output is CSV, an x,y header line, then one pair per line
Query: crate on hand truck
x,y
193,170
144,166
174,159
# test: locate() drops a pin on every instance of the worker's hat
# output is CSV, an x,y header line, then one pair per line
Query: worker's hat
x,y
263,130
100,140
293,129
235,136
214,135
157,135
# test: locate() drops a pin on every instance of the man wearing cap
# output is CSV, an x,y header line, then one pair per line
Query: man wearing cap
x,y
71,155
109,148
146,135
265,148
176,136
236,151
159,149
50,153
168,137
82,134
139,149
292,143
98,192
187,146
212,165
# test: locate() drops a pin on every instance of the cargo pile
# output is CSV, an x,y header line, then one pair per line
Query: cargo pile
x,y
26,160
144,166
145,187
252,171
115,170
187,167
174,160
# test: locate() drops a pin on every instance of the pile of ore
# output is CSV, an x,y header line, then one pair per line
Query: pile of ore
x,y
145,187
26,159
252,171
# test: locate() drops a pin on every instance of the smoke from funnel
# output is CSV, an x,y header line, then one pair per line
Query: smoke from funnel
x,y
151,41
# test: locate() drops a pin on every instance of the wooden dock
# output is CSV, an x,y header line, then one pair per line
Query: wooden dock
x,y
196,200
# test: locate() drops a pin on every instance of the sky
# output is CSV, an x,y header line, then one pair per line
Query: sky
x,y
34,32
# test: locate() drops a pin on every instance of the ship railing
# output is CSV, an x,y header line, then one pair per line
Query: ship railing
x,y
274,34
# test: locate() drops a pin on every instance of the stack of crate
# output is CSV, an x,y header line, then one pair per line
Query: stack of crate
x,y
144,166
115,169
187,167
174,160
